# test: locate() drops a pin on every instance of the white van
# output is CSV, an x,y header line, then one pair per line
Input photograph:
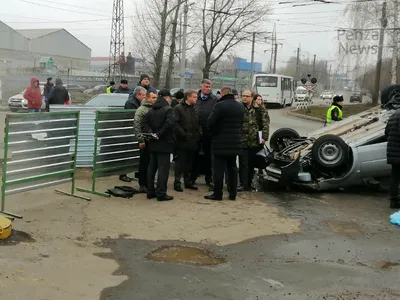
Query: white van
x,y
301,94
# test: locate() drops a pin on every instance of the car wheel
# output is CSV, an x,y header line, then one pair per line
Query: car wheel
x,y
14,109
330,151
278,138
386,92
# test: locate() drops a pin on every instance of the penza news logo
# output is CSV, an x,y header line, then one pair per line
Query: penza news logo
x,y
358,41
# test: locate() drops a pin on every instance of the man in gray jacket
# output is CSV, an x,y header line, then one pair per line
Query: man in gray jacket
x,y
144,108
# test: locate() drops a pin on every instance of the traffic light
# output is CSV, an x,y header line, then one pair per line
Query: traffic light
x,y
303,80
313,80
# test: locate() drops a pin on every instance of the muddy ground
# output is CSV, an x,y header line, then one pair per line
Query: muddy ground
x,y
270,245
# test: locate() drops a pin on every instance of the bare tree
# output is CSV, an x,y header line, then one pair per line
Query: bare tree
x,y
172,49
226,24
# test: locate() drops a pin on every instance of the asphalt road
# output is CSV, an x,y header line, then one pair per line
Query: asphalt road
x,y
346,96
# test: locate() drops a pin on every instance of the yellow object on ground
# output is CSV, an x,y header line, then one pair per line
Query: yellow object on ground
x,y
5,228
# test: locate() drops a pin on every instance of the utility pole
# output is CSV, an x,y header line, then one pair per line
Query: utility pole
x,y
330,77
313,65
384,22
117,44
395,42
273,40
253,43
275,52
298,65
184,35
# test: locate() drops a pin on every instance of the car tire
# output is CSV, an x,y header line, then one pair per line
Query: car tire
x,y
276,142
14,109
387,92
330,151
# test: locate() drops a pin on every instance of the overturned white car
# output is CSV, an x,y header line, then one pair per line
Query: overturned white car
x,y
348,153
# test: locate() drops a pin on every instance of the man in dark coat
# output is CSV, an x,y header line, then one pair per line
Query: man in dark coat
x,y
392,133
135,98
59,94
46,91
187,133
123,88
225,126
133,102
160,122
144,81
204,106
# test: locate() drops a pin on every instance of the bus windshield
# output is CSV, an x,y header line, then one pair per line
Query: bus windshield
x,y
266,81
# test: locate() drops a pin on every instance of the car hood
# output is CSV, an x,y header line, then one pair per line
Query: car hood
x,y
17,96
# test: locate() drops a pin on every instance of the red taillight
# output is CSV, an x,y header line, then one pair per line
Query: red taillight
x,y
66,103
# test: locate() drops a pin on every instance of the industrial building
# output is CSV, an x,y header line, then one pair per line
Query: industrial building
x,y
56,49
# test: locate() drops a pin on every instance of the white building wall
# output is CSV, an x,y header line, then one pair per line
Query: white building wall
x,y
10,39
61,43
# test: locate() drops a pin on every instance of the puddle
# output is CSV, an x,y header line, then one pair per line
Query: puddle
x,y
388,264
17,237
182,254
343,226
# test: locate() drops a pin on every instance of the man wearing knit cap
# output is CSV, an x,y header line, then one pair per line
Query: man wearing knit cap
x,y
144,81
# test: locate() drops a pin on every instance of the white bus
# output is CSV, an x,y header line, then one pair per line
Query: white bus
x,y
275,89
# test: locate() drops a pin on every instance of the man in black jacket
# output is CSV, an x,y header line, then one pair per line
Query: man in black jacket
x,y
160,122
123,88
135,98
187,133
392,133
133,102
204,106
225,126
59,94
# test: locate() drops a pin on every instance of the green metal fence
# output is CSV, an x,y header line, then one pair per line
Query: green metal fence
x,y
39,151
116,150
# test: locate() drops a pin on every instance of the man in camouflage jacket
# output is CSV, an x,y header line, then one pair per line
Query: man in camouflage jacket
x,y
253,123
144,108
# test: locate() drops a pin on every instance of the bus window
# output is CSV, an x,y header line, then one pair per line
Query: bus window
x,y
267,81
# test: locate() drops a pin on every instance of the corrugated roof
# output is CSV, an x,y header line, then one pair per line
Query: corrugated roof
x,y
35,33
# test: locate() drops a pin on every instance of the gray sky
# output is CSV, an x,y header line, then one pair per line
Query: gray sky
x,y
312,26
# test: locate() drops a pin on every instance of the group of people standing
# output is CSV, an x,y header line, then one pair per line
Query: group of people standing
x,y
52,94
205,133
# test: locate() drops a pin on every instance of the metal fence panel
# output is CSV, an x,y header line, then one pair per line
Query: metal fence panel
x,y
39,151
86,132
117,150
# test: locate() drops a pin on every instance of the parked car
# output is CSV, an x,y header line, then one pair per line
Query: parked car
x,y
348,153
356,97
18,102
108,100
327,95
97,89
74,88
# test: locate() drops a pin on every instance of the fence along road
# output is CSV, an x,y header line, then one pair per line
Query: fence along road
x,y
116,149
39,151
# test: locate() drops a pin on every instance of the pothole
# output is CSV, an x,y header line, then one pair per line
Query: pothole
x,y
184,254
17,237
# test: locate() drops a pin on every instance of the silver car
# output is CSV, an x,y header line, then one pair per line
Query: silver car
x,y
347,153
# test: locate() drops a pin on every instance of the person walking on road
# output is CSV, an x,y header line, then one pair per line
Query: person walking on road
x,y
255,132
392,132
111,88
140,113
34,96
187,133
225,127
159,121
335,113
59,94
